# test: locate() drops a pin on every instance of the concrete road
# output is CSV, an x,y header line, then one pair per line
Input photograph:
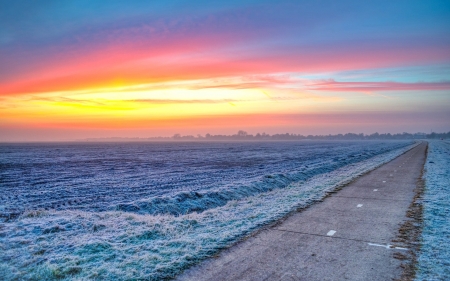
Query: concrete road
x,y
346,237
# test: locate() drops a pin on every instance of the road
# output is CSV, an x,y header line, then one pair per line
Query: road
x,y
348,236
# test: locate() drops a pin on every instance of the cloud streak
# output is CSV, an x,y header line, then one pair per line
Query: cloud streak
x,y
335,86
154,43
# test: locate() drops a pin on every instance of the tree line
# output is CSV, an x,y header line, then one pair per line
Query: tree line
x,y
243,135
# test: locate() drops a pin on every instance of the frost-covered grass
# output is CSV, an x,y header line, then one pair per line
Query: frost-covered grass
x,y
434,259
117,245
163,178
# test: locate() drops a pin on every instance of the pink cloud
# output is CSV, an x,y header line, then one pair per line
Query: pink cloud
x,y
334,86
205,56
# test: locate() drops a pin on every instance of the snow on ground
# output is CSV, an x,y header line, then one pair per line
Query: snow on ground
x,y
119,245
434,258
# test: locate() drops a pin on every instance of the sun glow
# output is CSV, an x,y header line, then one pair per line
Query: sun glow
x,y
138,104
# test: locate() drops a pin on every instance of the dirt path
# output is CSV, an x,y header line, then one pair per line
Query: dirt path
x,y
346,237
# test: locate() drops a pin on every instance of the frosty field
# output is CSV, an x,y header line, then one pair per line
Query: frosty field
x,y
434,259
148,210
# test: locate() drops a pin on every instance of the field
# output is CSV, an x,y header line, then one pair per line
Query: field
x,y
434,259
133,211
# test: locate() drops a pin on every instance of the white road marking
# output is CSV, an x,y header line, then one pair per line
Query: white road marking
x,y
359,205
388,246
375,190
384,181
331,232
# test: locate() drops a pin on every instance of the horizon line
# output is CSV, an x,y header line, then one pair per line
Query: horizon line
x,y
244,136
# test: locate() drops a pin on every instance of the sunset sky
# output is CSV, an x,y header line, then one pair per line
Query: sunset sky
x,y
80,69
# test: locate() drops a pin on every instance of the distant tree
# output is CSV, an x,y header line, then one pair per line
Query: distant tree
x,y
242,133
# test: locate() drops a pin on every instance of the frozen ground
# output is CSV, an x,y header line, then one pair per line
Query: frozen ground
x,y
133,211
434,259
159,178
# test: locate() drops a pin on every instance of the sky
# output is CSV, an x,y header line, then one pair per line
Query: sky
x,y
93,68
